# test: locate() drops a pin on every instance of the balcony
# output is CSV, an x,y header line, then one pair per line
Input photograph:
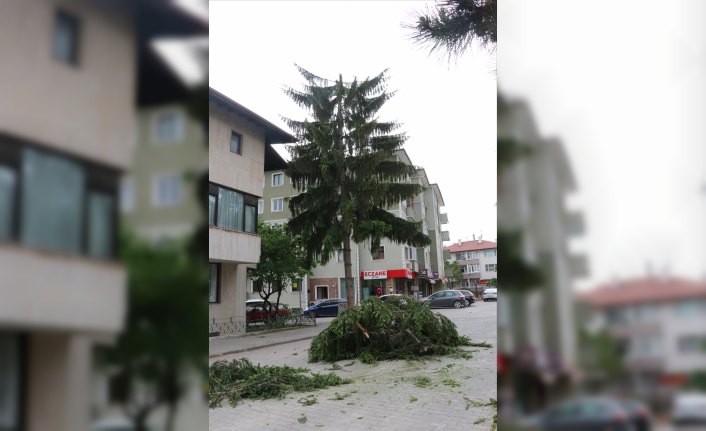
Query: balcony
x,y
46,290
444,218
574,224
445,235
231,246
578,265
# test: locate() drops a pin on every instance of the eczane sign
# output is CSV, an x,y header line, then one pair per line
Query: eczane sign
x,y
375,275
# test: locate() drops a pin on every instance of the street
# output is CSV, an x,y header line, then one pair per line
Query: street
x,y
383,396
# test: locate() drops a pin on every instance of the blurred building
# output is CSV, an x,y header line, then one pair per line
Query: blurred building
x,y
240,151
659,324
394,268
536,325
478,260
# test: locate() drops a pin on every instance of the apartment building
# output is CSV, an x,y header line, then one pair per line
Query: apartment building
x,y
240,151
478,260
393,268
66,130
536,324
659,323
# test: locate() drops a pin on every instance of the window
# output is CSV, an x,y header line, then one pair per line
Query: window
x,y
166,190
342,287
472,255
8,193
66,35
339,255
10,375
232,210
260,206
168,127
236,143
491,267
213,283
380,254
474,268
127,195
490,253
692,344
689,308
277,179
100,224
277,205
321,292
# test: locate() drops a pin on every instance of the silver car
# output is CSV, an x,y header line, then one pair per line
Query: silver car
x,y
490,294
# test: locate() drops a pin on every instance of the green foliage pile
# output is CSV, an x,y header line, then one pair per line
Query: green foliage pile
x,y
239,379
380,330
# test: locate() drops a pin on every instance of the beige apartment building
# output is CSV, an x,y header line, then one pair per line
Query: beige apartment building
x,y
67,125
478,260
394,268
240,150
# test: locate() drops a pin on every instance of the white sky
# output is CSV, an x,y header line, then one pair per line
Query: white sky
x,y
447,109
622,84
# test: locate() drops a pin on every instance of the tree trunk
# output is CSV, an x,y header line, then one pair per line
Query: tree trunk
x,y
348,271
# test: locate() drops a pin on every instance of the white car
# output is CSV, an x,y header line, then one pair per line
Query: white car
x,y
689,409
490,294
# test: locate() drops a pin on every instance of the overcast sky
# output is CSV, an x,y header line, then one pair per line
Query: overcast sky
x,y
448,109
622,85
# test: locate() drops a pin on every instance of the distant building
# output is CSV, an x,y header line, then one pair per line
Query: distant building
x,y
393,268
478,260
659,323
240,151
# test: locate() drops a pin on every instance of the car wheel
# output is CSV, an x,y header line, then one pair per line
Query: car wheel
x,y
312,314
468,303
457,304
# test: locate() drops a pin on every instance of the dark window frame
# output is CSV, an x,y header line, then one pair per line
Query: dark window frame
x,y
233,133
248,200
218,283
74,22
377,255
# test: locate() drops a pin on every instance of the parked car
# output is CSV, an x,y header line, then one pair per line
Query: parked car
x,y
256,311
638,414
689,409
470,297
394,297
586,414
445,298
327,308
490,294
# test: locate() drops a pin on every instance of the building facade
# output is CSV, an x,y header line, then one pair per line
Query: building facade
x,y
393,268
67,131
659,324
478,260
240,150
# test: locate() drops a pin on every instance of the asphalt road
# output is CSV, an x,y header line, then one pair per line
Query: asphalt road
x,y
383,396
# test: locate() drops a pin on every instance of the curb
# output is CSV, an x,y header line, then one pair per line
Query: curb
x,y
247,349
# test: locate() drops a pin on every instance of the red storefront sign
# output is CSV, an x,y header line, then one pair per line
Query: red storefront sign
x,y
387,273
484,282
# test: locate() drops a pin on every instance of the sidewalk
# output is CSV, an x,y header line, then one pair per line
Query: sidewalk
x,y
227,344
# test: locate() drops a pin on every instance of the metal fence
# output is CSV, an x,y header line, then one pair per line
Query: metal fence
x,y
239,325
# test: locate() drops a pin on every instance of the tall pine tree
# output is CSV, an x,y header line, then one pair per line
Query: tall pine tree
x,y
346,170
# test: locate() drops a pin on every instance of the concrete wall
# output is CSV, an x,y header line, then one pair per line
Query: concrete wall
x,y
98,96
233,279
230,246
244,172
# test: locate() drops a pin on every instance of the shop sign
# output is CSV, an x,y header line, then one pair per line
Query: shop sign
x,y
375,275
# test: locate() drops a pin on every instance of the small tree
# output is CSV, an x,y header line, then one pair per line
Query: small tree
x,y
600,356
453,272
282,260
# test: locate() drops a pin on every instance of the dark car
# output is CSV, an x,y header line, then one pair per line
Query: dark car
x,y
395,297
639,414
470,297
586,414
445,298
325,308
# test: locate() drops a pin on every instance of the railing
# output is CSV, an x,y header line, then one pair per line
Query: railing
x,y
235,325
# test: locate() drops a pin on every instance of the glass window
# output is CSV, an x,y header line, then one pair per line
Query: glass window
x,y
342,287
211,210
230,209
250,218
127,195
10,372
167,190
380,254
490,267
339,255
52,202
169,127
100,224
490,253
277,179
236,143
65,41
689,308
8,191
277,205
213,283
260,206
